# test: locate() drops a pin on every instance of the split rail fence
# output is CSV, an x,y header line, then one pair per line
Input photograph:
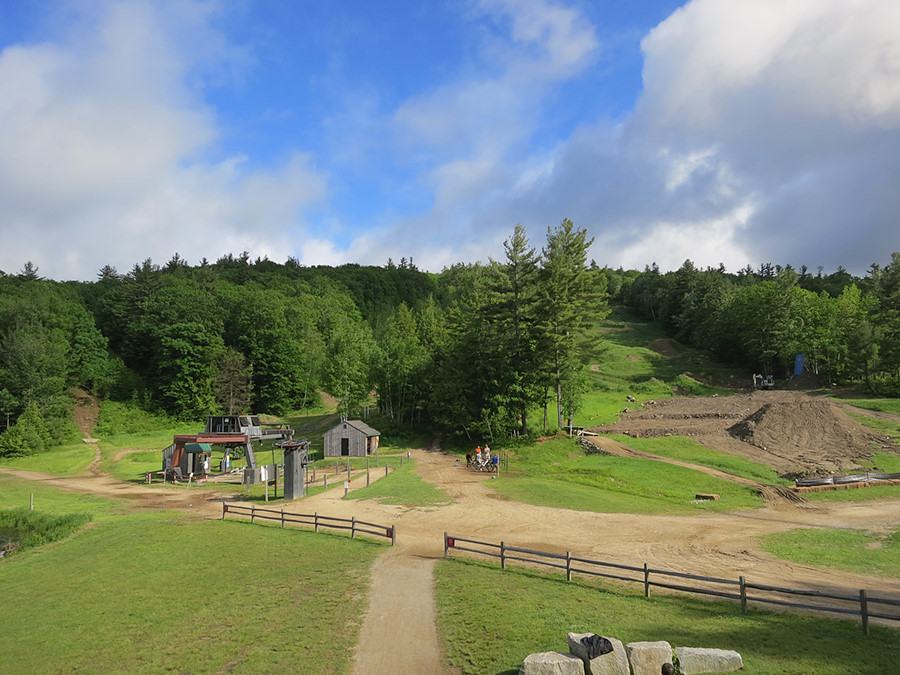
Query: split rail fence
x,y
859,605
316,520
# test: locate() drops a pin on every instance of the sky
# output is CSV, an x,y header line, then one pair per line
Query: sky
x,y
333,131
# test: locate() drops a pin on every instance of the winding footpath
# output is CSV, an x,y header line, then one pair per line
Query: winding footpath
x,y
399,632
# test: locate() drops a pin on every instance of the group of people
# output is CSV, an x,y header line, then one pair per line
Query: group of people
x,y
481,457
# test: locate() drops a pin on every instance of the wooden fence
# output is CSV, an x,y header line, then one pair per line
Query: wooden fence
x,y
315,520
858,605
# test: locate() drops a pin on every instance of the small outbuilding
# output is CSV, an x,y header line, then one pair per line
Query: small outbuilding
x,y
191,458
351,438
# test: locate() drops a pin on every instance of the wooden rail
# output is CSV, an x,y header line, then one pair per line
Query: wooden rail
x,y
721,588
315,520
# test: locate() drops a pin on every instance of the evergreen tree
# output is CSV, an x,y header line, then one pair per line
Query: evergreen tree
x,y
567,291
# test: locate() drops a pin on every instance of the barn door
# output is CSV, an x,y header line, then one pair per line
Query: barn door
x,y
345,447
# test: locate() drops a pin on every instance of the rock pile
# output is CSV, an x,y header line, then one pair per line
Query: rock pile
x,y
591,654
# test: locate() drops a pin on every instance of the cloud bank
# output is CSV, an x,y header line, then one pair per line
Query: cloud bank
x,y
765,131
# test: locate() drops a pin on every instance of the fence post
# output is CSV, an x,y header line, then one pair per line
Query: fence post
x,y
401,461
568,566
502,555
646,580
864,610
252,513
325,481
446,548
393,534
353,527
316,521
385,469
743,595
314,475
282,517
224,510
348,468
367,475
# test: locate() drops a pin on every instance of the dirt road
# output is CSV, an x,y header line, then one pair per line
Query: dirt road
x,y
714,544
401,608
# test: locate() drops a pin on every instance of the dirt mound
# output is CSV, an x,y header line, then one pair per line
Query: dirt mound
x,y
807,427
794,433
804,382
664,347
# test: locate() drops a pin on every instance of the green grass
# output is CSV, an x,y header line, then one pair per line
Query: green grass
x,y
490,620
403,487
846,550
66,460
684,449
117,419
166,593
625,364
135,466
870,493
16,492
557,473
888,405
886,427
884,462
29,529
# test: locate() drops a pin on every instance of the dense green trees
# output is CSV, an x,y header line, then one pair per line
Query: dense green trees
x,y
847,328
475,349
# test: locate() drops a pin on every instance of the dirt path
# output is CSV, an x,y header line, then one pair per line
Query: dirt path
x,y
401,609
714,544
197,499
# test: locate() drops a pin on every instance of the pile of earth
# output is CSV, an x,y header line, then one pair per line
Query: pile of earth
x,y
794,433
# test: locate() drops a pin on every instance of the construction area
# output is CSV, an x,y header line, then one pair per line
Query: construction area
x,y
797,434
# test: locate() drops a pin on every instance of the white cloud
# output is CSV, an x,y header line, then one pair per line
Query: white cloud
x,y
102,145
669,244
788,106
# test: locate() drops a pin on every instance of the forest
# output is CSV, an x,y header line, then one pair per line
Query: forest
x,y
488,350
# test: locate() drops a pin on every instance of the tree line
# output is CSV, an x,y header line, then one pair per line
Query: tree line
x,y
487,349
472,348
847,327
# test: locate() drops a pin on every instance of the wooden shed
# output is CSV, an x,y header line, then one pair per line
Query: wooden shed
x,y
351,438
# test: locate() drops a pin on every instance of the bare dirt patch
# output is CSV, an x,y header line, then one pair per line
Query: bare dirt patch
x,y
87,410
793,432
664,347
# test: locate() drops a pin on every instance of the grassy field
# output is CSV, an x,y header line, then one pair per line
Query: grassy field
x,y
888,405
15,493
557,473
67,460
684,449
403,487
152,592
491,619
840,549
165,592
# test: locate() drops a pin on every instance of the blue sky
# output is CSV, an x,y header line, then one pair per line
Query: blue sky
x,y
724,131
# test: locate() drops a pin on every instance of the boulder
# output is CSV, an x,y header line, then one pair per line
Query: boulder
x,y
696,660
647,658
551,663
613,663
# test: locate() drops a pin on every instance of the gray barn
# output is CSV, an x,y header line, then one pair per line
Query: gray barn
x,y
351,438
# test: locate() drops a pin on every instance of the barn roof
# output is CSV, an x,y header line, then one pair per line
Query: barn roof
x,y
362,427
